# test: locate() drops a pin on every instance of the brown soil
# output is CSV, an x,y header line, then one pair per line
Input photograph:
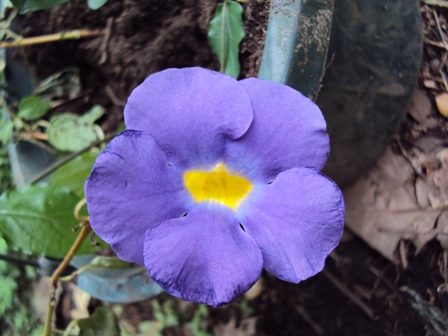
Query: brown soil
x,y
142,37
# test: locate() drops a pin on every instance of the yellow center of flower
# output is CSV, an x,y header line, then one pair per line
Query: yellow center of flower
x,y
217,185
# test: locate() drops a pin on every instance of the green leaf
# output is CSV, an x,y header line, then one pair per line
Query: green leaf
x,y
100,262
122,127
225,34
33,107
74,173
69,132
62,85
92,115
103,322
27,6
95,4
38,219
6,129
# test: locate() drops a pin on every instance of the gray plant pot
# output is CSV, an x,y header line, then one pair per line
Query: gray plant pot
x,y
359,60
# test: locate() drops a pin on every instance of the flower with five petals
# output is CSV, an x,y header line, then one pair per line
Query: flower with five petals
x,y
215,179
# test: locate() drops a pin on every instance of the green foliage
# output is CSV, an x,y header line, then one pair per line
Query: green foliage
x,y
122,127
38,219
103,322
61,85
74,173
101,262
95,4
69,132
199,321
165,315
15,316
180,320
6,129
225,34
246,308
33,107
28,6
5,172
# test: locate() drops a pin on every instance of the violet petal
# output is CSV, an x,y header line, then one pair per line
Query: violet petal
x,y
288,131
191,112
296,221
203,257
132,188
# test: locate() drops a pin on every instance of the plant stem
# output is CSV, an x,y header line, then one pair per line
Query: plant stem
x,y
19,261
28,135
86,229
73,34
66,159
70,327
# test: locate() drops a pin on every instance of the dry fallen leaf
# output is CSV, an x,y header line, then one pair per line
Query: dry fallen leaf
x,y
430,84
390,203
255,291
442,104
81,302
420,108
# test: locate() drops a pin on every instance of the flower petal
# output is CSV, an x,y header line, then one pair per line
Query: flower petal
x,y
203,257
296,221
288,131
190,112
132,188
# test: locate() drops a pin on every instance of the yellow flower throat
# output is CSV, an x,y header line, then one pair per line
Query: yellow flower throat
x,y
217,185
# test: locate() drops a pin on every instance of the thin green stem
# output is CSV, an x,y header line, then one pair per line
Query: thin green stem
x,y
86,229
66,159
70,327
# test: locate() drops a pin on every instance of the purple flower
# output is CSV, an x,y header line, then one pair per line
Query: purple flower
x,y
214,180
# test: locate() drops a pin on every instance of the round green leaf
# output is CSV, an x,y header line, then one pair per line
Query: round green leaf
x,y
33,107
68,133
38,219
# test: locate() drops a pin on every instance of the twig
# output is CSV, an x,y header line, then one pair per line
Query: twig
x,y
86,229
403,257
66,159
66,101
434,43
445,83
440,29
73,34
344,290
105,42
113,97
381,277
28,135
304,314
